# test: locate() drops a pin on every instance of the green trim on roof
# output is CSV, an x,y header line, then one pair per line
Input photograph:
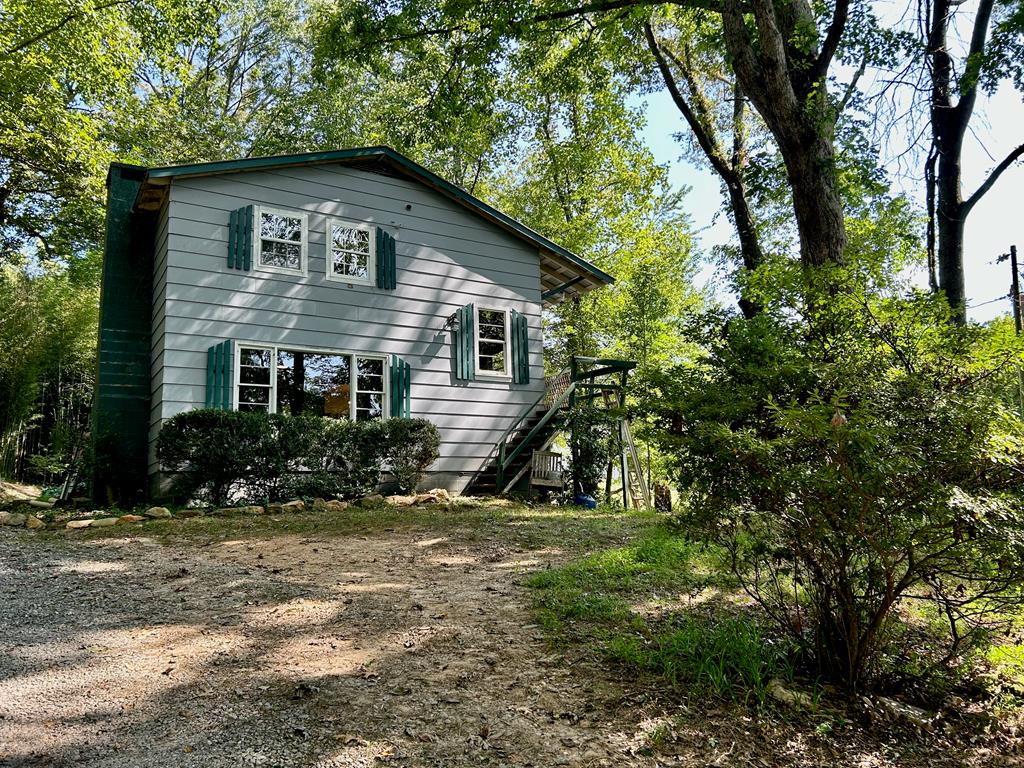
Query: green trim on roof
x,y
389,155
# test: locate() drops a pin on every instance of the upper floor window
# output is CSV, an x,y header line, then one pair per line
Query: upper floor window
x,y
282,240
351,252
492,342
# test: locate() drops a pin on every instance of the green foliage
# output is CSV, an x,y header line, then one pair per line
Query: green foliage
x,y
729,657
47,338
595,441
850,449
220,456
593,599
215,455
413,446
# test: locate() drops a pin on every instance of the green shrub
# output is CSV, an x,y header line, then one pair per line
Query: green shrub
x,y
854,452
212,453
412,447
221,456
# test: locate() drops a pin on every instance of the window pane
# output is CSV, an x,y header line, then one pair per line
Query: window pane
x,y
287,255
247,375
369,406
253,396
313,383
351,264
255,357
491,319
492,332
281,227
370,367
350,239
252,407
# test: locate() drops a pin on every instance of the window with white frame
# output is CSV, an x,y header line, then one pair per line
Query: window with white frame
x,y
291,381
351,252
492,342
282,240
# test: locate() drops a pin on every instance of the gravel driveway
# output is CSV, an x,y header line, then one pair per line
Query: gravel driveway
x,y
404,648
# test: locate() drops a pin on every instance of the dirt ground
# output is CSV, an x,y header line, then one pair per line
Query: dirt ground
x,y
402,648
182,644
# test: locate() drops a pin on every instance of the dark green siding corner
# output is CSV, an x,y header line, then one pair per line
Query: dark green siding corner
x,y
120,420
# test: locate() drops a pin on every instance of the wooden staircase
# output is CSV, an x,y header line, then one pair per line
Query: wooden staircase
x,y
586,379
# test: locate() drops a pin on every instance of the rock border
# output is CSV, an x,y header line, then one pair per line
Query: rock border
x,y
101,518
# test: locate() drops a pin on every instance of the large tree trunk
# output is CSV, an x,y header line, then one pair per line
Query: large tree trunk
x,y
810,166
949,216
786,83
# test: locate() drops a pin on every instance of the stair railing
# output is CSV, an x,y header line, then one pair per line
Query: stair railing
x,y
506,457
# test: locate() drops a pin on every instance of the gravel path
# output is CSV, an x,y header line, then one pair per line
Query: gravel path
x,y
394,648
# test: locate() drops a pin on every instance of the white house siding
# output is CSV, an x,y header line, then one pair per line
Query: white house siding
x,y
157,332
446,257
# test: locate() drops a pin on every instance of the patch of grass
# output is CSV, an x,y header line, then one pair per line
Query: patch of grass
x,y
603,601
726,656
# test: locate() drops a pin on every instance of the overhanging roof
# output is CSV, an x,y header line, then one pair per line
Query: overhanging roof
x,y
563,273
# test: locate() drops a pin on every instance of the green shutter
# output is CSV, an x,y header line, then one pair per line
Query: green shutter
x,y
401,379
463,343
240,228
520,343
387,277
219,373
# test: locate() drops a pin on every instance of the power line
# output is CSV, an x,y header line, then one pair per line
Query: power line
x,y
990,301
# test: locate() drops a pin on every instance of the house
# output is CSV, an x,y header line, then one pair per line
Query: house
x,y
352,283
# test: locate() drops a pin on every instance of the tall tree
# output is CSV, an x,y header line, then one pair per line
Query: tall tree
x,y
781,53
993,53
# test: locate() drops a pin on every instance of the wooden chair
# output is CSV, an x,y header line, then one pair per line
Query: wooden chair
x,y
546,470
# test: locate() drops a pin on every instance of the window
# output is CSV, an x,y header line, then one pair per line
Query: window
x,y
336,384
492,342
254,382
351,252
282,245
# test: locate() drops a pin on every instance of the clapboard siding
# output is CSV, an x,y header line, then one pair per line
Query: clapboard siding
x,y
158,320
446,258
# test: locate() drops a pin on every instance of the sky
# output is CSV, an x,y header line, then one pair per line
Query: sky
x,y
996,222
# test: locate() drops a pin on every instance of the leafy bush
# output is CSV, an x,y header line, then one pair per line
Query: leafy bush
x,y
213,453
413,446
220,456
853,451
595,440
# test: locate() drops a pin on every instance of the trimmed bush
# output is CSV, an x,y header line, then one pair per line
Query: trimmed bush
x,y
224,456
413,446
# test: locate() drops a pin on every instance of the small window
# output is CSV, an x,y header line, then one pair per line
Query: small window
x,y
254,382
339,385
492,342
282,245
351,256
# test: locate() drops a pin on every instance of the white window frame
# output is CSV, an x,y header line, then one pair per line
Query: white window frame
x,y
354,382
371,260
501,375
258,211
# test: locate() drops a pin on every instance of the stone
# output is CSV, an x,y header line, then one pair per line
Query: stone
x,y
78,523
34,523
790,698
336,505
131,518
371,501
402,501
39,504
104,522
294,506
319,505
249,510
13,518
191,512
898,710
440,494
158,513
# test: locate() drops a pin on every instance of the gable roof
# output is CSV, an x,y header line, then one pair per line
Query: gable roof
x,y
562,271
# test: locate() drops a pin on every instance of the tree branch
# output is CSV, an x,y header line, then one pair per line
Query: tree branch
x,y
1009,160
832,39
63,23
